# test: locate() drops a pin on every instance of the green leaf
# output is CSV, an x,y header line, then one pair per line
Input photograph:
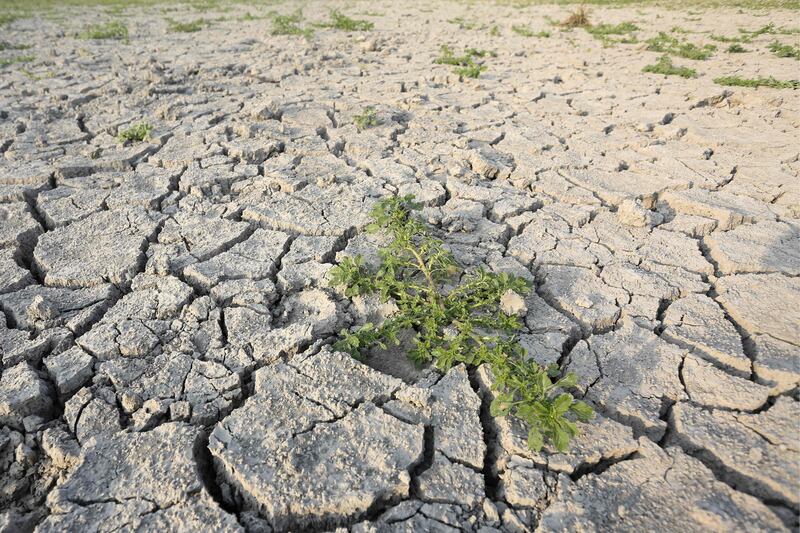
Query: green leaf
x,y
582,410
499,407
562,403
535,439
560,440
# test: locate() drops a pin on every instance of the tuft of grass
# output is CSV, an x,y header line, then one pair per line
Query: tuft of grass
x,y
664,66
577,19
111,30
784,50
525,31
136,133
470,71
289,25
17,59
368,118
340,21
186,27
736,48
736,81
456,317
494,31
668,44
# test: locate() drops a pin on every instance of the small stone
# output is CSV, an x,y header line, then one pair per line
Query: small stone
x,y
513,304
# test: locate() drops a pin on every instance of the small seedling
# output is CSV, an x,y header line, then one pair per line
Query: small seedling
x,y
495,31
664,66
784,50
736,48
456,319
186,27
136,133
288,25
736,81
367,119
577,19
111,30
340,21
668,44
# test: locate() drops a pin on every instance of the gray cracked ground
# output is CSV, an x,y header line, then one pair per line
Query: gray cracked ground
x,y
166,316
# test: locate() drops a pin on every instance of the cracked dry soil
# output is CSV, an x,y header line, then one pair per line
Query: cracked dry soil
x,y
166,317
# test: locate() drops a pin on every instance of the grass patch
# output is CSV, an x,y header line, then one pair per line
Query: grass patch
x,y
463,23
7,18
465,64
289,25
456,319
604,32
725,39
186,27
577,19
5,45
736,81
769,29
668,44
368,118
784,50
736,48
17,59
136,133
667,68
340,21
111,30
525,31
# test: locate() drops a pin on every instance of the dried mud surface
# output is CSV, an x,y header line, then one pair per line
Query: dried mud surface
x,y
166,317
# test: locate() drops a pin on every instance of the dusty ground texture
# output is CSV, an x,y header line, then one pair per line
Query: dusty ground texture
x,y
166,316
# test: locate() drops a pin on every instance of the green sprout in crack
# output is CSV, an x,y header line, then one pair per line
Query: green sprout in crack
x,y
457,318
736,81
664,66
136,133
111,30
367,119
